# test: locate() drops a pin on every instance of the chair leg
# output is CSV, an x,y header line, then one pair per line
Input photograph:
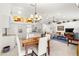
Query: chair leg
x,y
34,53
24,55
45,54
68,42
37,55
48,47
31,54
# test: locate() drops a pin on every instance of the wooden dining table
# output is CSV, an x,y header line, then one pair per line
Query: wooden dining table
x,y
34,41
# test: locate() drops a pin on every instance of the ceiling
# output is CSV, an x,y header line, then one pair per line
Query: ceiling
x,y
48,11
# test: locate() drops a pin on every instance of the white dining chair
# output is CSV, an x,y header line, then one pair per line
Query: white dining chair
x,y
42,47
48,36
21,50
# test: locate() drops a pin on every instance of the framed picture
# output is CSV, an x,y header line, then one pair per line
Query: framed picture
x,y
60,28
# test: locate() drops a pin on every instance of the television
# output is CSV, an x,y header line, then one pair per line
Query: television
x,y
69,29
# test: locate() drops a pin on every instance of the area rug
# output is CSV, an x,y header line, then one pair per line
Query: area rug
x,y
60,38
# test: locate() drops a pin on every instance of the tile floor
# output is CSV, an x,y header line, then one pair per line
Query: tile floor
x,y
61,49
57,49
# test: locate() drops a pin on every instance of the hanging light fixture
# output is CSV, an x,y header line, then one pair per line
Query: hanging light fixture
x,y
36,17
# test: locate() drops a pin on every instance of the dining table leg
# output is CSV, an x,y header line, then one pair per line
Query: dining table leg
x,y
48,47
26,53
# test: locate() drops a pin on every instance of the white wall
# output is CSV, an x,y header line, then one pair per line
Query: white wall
x,y
4,15
49,28
4,21
12,29
74,25
53,28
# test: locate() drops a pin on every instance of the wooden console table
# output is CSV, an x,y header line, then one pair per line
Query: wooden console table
x,y
70,38
33,42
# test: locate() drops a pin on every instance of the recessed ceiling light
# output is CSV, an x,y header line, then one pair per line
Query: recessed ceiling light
x,y
63,21
68,21
74,19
